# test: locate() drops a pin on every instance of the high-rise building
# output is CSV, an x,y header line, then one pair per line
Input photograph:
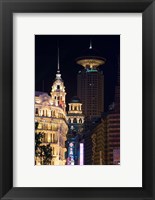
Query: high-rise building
x,y
50,115
113,127
113,138
90,83
89,126
99,141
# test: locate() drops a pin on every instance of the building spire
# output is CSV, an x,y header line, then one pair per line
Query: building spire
x,y
90,47
58,67
58,75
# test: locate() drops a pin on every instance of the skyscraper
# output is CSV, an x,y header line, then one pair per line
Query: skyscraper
x,y
90,83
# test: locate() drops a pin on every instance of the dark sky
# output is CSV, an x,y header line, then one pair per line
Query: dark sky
x,y
70,47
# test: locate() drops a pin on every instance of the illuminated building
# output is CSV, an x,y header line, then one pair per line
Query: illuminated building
x,y
52,122
73,139
99,140
75,122
75,116
58,94
90,83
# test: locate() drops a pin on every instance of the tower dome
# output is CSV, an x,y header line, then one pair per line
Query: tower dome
x,y
75,99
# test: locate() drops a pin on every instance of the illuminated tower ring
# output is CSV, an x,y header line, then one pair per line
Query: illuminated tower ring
x,y
91,59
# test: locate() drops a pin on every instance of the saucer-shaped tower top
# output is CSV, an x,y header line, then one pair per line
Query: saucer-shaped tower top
x,y
90,58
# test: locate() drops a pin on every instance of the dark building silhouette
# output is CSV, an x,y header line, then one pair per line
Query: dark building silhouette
x,y
113,127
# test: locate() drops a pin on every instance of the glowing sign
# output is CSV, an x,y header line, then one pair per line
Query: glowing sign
x,y
81,153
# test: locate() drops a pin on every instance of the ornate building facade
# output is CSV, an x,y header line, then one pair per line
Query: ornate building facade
x,y
74,137
50,114
75,116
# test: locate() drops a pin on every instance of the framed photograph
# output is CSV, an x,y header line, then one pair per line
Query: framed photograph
x,y
77,99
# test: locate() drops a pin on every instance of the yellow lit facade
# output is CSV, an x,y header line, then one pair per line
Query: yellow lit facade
x,y
58,94
50,113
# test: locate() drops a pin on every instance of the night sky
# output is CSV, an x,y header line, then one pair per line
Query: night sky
x,y
71,47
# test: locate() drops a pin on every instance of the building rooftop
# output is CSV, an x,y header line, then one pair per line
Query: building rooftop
x,y
75,99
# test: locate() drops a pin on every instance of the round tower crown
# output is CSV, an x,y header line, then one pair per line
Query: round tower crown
x,y
91,58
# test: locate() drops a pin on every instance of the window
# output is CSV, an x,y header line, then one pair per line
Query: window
x,y
69,120
80,121
43,113
36,111
54,138
58,87
74,120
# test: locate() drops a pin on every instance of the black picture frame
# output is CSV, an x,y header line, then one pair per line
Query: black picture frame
x,y
7,8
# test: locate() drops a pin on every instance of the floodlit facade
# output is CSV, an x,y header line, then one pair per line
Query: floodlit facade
x,y
50,113
75,116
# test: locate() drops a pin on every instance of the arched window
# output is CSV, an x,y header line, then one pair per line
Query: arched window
x,y
80,121
74,120
54,138
69,120
46,112
54,113
43,113
36,111
44,137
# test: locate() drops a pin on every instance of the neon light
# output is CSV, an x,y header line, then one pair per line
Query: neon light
x,y
91,70
81,153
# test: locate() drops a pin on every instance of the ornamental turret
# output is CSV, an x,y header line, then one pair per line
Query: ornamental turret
x,y
58,94
75,116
